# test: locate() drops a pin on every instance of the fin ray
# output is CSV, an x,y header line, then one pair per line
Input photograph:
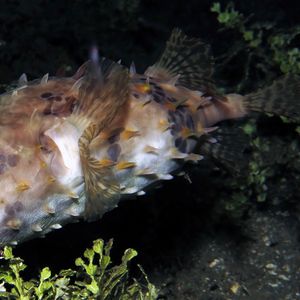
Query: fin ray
x,y
228,147
187,57
281,98
101,187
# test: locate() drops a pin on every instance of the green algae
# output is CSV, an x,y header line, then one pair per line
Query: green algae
x,y
94,278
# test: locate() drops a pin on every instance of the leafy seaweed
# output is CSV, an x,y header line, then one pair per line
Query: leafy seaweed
x,y
260,47
259,53
94,278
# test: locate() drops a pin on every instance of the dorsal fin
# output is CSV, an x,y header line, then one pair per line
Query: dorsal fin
x,y
187,57
103,91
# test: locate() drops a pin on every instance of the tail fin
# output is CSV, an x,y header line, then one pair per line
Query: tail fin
x,y
281,98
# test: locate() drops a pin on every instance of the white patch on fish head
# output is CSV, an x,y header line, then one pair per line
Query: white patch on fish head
x,y
66,136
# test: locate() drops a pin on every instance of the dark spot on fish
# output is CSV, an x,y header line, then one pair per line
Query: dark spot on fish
x,y
181,108
2,168
159,90
18,206
178,142
45,144
52,98
176,127
13,160
47,111
115,135
157,98
190,122
180,116
172,117
46,95
183,146
2,158
71,102
160,93
171,99
114,138
12,210
57,98
114,151
137,96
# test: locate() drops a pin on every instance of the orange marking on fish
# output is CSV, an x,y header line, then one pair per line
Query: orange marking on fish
x,y
22,186
186,132
128,134
106,163
43,164
143,88
51,179
150,149
170,106
125,165
145,172
169,87
163,125
200,128
14,223
176,154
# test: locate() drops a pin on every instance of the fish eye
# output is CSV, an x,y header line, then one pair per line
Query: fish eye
x,y
47,145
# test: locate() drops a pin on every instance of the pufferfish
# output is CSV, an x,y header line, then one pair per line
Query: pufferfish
x,y
73,147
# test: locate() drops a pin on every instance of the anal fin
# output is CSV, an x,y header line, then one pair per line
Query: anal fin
x,y
228,147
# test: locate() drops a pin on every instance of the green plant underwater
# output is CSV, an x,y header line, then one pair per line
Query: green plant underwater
x,y
264,48
259,53
94,278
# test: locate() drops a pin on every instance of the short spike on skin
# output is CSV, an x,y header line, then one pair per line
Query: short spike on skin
x,y
73,147
45,78
132,69
22,80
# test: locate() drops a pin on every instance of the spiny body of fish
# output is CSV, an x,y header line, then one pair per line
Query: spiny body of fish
x,y
72,147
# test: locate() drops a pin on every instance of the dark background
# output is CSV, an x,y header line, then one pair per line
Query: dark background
x,y
41,36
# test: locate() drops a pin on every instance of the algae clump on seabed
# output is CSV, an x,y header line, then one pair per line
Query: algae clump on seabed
x,y
93,278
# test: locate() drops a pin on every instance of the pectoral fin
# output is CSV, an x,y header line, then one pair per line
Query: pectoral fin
x,y
103,94
101,187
